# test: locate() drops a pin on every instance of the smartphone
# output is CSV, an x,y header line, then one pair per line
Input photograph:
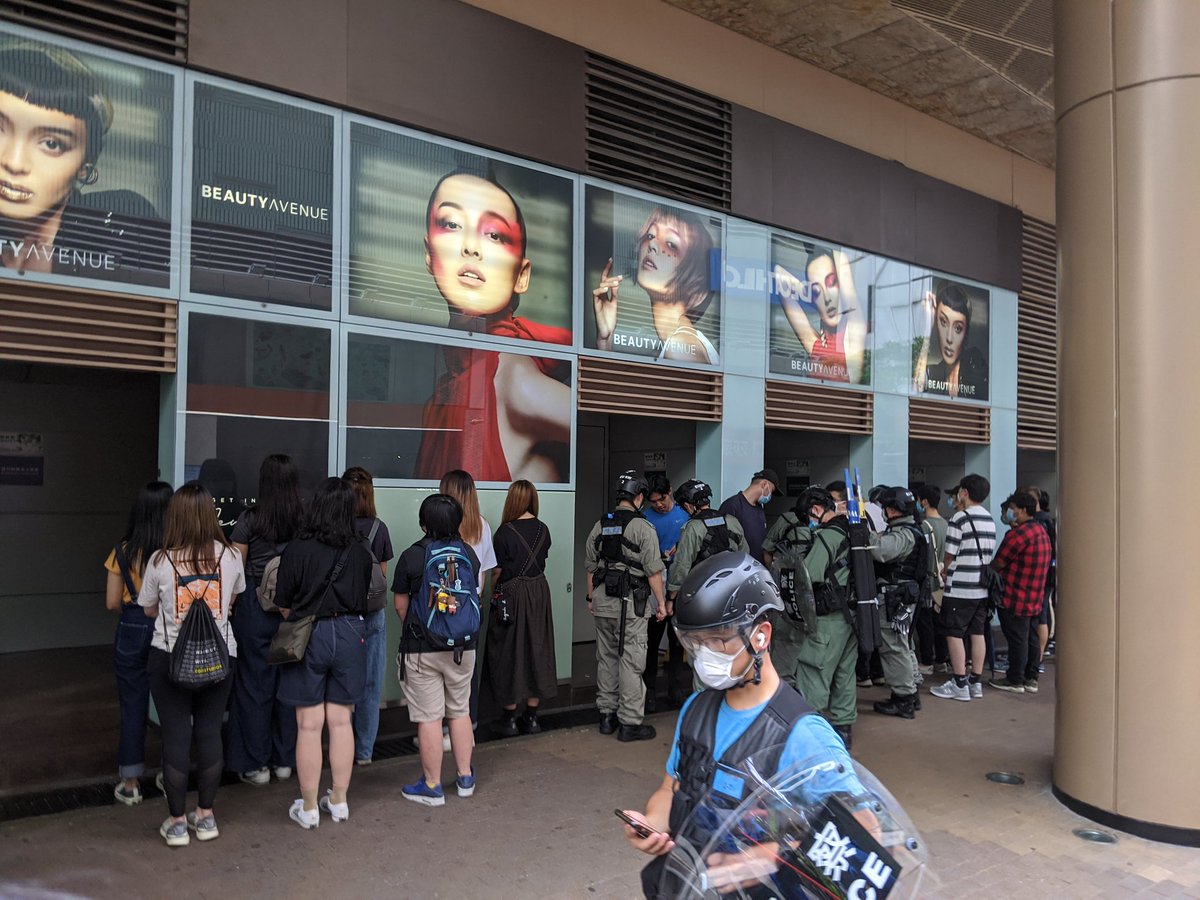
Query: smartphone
x,y
641,828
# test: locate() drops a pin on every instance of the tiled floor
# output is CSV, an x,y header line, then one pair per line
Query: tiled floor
x,y
541,824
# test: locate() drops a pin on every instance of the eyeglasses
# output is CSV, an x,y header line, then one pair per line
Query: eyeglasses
x,y
720,640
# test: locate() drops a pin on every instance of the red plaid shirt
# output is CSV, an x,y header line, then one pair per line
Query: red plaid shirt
x,y
1024,559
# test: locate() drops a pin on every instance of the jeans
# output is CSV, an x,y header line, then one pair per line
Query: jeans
x,y
188,715
366,713
1023,646
130,649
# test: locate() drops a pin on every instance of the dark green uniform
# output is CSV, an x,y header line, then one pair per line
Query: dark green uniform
x,y
787,541
691,543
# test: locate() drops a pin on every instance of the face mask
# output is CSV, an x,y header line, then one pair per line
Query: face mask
x,y
950,500
764,499
1009,516
715,669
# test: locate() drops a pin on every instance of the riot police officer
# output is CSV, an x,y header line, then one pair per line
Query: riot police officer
x,y
706,532
784,549
624,588
902,567
826,659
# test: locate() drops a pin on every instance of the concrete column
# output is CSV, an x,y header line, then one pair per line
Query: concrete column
x,y
1128,115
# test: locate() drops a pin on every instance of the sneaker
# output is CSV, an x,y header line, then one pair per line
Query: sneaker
x,y
445,740
925,670
420,792
305,818
466,784
129,796
363,762
175,833
258,777
879,681
1041,669
1001,685
206,828
951,690
1031,687
976,690
942,669
282,773
865,682
339,812
158,782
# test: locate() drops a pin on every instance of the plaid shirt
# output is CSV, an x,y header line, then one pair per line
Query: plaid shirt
x,y
1024,560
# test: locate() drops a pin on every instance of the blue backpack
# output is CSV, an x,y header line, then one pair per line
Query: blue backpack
x,y
447,605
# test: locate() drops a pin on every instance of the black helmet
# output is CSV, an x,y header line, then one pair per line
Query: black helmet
x,y
875,494
630,484
814,496
728,590
900,499
694,492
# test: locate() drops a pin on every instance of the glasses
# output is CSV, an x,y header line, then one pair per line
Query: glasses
x,y
720,640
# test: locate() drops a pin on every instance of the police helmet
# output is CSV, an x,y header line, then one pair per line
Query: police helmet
x,y
729,590
814,496
900,499
693,492
875,494
630,484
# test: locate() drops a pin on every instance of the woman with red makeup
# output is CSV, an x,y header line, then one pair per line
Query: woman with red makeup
x,y
497,415
673,268
836,339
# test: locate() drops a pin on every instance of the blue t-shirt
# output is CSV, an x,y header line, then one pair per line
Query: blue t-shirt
x,y
811,742
668,525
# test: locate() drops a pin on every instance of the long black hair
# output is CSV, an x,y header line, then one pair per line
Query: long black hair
x,y
144,530
330,517
278,511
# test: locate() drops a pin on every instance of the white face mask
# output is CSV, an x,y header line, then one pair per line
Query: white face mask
x,y
715,669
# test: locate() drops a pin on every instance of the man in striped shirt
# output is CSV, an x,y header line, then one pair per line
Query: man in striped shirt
x,y
970,544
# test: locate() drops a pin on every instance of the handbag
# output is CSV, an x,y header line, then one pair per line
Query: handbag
x,y
989,579
200,656
291,639
500,607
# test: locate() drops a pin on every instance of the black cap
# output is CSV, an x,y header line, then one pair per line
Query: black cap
x,y
768,474
953,488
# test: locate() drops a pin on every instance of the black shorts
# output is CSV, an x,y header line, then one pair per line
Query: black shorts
x,y
334,667
960,617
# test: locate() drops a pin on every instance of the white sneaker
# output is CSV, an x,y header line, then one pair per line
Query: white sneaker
x,y
976,690
258,777
305,818
282,773
339,812
952,691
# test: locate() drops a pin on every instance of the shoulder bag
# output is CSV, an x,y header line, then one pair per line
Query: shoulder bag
x,y
989,579
291,640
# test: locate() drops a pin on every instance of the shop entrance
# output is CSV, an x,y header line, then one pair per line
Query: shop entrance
x,y
76,445
801,458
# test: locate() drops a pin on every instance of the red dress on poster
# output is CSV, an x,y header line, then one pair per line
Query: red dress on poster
x,y
828,357
460,419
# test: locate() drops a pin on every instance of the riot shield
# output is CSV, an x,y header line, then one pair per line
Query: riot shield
x,y
820,828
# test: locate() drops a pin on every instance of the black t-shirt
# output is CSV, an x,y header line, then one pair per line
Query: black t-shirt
x,y
306,564
753,520
410,569
261,552
511,553
381,546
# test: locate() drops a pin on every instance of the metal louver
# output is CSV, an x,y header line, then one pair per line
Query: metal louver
x,y
655,134
87,328
157,28
954,423
636,389
1037,338
808,407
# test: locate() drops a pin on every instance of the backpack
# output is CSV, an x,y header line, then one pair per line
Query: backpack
x,y
265,589
200,656
446,606
377,592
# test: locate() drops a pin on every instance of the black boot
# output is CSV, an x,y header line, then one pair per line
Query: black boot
x,y
528,723
608,722
506,726
900,705
845,734
636,733
917,702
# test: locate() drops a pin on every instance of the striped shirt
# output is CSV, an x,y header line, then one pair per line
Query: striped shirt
x,y
970,555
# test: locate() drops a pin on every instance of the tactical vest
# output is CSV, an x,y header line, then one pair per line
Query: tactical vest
x,y
698,770
911,568
717,537
611,542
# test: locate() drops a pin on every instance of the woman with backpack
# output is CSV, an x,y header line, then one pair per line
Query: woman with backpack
x,y
437,655
520,641
326,573
126,565
372,530
262,732
195,566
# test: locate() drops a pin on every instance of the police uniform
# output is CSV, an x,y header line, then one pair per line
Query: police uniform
x,y
708,523
619,685
899,553
825,660
791,538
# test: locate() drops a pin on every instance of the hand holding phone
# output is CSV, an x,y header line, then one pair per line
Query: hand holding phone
x,y
640,828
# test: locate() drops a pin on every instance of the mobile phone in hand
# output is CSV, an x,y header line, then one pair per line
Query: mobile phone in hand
x,y
640,828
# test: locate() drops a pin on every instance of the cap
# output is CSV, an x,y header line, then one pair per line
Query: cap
x,y
768,474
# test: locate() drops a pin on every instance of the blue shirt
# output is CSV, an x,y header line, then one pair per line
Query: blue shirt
x,y
812,741
668,525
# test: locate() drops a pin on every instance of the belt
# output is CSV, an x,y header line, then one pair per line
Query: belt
x,y
340,613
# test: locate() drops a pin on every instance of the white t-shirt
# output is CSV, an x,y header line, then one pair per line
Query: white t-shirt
x,y
162,587
484,549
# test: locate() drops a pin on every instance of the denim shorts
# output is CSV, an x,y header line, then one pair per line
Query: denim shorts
x,y
334,667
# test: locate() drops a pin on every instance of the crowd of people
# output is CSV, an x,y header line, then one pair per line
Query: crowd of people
x,y
287,641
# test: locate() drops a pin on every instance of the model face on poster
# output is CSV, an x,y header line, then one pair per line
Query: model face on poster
x,y
475,246
953,320
826,292
945,324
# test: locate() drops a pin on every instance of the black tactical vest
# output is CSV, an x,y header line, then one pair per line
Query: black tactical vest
x,y
717,537
611,542
910,568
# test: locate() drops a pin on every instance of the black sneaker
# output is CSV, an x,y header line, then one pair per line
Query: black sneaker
x,y
506,725
529,724
637,733
608,723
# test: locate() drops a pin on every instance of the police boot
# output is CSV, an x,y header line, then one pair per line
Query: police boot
x,y
897,705
608,723
844,733
636,733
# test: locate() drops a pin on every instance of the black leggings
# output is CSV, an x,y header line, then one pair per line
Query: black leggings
x,y
183,715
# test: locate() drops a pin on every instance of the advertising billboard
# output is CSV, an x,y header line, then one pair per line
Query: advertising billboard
x,y
653,279
950,339
447,237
